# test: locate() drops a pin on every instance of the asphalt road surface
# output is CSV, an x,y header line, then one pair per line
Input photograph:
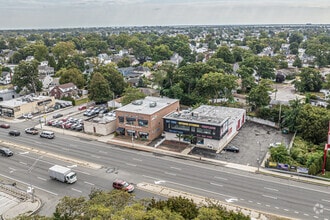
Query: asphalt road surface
x,y
107,162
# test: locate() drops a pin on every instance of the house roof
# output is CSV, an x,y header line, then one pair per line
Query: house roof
x,y
66,86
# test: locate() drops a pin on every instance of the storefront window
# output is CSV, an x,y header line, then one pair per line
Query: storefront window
x,y
143,123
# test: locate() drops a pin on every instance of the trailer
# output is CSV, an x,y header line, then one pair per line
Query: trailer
x,y
63,174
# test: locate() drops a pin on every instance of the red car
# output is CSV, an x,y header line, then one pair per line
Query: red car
x,y
123,185
5,126
82,107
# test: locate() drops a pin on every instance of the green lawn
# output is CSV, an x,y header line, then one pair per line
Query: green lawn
x,y
82,101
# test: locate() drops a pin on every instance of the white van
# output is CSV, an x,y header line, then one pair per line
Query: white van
x,y
47,134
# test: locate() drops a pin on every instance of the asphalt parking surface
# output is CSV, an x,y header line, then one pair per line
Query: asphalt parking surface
x,y
253,140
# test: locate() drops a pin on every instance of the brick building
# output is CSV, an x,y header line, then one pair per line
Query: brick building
x,y
144,118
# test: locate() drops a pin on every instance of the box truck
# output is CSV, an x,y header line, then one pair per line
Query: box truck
x,y
63,174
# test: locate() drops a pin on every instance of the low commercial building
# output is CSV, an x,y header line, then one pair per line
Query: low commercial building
x,y
18,107
104,125
206,126
144,118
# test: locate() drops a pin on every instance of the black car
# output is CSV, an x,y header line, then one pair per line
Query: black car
x,y
14,133
58,115
231,149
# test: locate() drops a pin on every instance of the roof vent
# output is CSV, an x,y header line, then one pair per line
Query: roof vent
x,y
152,104
137,102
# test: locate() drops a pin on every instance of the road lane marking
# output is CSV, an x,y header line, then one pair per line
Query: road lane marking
x,y
216,184
172,174
315,216
286,210
98,157
324,200
272,197
130,164
277,207
21,162
84,173
326,209
250,201
92,184
40,178
22,153
77,190
271,189
258,203
296,212
306,214
136,159
176,168
73,145
103,152
219,178
268,205
191,187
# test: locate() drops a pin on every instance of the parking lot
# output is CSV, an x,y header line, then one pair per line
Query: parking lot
x,y
253,141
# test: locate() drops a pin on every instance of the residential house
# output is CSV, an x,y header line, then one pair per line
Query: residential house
x,y
5,78
64,90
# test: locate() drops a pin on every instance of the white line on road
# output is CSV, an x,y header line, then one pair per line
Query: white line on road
x,y
306,214
271,189
130,164
286,210
136,159
315,216
77,190
12,168
84,173
219,178
324,200
250,201
103,152
268,205
272,197
216,184
277,207
326,209
92,184
296,212
41,178
23,163
172,174
191,187
258,203
72,145
175,168
98,157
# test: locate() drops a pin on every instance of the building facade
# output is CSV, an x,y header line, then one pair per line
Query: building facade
x,y
206,126
18,107
144,118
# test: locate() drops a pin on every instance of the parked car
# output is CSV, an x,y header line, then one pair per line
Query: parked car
x,y
14,133
79,127
6,152
122,185
58,115
82,107
231,149
5,126
32,130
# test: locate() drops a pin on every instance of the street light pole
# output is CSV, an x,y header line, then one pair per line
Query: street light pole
x,y
259,159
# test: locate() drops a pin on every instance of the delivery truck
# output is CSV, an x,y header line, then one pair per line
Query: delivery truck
x,y
63,174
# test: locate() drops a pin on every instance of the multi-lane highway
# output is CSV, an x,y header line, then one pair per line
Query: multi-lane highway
x,y
107,162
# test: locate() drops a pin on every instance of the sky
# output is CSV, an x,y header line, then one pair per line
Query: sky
x,y
44,14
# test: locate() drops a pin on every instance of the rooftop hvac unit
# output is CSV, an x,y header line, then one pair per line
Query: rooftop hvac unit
x,y
152,104
137,102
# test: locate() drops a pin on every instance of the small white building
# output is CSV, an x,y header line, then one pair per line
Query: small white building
x,y
207,126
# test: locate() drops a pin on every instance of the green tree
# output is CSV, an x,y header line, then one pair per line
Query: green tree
x,y
73,75
280,154
99,90
296,37
258,96
131,94
63,49
70,208
312,123
115,79
220,65
224,53
40,52
124,62
297,62
26,77
291,115
161,52
310,80
141,49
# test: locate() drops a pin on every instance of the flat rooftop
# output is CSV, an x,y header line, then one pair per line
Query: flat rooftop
x,y
149,105
22,100
206,114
